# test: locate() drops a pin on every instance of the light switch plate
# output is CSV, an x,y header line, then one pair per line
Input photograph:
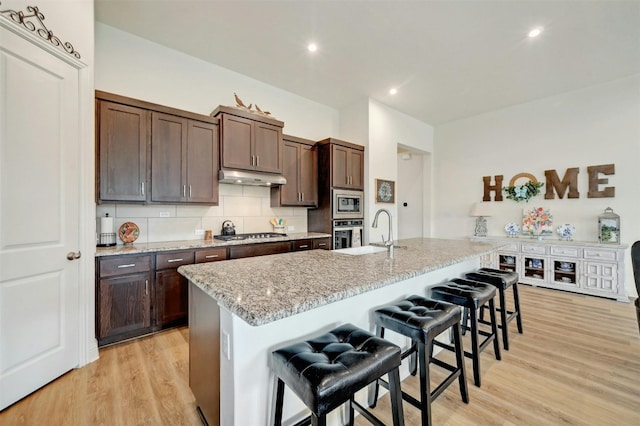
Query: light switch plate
x,y
199,232
165,214
291,228
226,344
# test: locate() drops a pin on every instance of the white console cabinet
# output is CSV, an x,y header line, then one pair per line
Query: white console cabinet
x,y
580,267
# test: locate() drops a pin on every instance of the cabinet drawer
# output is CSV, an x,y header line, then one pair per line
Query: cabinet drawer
x,y
533,248
599,254
211,255
299,245
507,247
119,265
175,259
565,251
322,243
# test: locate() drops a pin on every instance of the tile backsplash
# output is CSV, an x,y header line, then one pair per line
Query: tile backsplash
x,y
249,207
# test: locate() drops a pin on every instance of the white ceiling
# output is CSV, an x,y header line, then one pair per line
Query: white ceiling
x,y
448,59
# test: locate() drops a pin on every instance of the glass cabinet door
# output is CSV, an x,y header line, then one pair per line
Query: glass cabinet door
x,y
565,272
534,267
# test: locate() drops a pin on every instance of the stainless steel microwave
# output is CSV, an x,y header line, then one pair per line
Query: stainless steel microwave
x,y
348,204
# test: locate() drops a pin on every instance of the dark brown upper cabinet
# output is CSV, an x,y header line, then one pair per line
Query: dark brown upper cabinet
x,y
184,160
153,153
344,162
300,167
123,135
249,141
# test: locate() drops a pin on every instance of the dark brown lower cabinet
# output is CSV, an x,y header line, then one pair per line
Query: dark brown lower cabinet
x,y
261,249
172,298
124,307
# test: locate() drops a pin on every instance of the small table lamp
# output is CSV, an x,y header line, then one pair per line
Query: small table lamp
x,y
481,211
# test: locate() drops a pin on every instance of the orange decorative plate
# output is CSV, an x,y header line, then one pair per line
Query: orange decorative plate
x,y
128,232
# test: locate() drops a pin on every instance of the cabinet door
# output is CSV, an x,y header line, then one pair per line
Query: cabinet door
x,y
124,307
308,176
340,161
202,162
600,277
356,169
301,245
290,193
267,148
237,134
172,298
168,153
122,139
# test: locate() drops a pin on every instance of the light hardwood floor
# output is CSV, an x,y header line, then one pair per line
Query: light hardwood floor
x,y
578,362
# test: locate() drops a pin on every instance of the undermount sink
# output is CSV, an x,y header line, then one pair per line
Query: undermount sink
x,y
355,251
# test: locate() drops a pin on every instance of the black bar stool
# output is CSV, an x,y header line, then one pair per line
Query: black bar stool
x,y
502,280
326,372
471,296
422,320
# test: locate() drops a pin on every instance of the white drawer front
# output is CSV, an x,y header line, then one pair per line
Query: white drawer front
x,y
534,248
565,251
510,247
599,254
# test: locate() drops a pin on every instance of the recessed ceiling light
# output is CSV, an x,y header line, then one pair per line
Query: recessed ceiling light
x,y
535,32
312,47
393,91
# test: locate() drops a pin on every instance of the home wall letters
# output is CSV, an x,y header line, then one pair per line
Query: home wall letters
x,y
568,185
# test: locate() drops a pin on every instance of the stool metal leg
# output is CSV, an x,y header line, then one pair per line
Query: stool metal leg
x,y
516,302
475,348
395,393
278,403
425,385
503,319
462,378
494,329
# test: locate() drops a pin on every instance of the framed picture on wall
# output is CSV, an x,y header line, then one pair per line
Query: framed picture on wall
x,y
385,191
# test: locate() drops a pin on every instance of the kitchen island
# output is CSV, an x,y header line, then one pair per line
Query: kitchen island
x,y
241,310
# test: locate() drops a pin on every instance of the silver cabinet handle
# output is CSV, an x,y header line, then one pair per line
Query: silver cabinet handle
x,y
146,287
73,255
257,160
128,265
142,188
253,160
189,191
304,246
211,256
184,191
302,196
174,260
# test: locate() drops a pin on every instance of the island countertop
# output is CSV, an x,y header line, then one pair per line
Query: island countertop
x,y
260,290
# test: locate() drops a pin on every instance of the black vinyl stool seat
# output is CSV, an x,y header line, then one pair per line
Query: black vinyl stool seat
x,y
502,280
471,295
422,320
325,372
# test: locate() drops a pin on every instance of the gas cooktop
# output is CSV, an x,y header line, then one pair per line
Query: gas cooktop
x,y
252,236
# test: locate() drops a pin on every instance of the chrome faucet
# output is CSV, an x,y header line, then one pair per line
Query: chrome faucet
x,y
389,242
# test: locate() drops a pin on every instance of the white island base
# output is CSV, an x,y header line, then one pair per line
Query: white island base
x,y
230,372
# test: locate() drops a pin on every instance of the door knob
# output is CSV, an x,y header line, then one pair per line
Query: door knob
x,y
72,255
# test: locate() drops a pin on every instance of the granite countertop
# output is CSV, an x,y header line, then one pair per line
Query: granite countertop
x,y
264,289
196,244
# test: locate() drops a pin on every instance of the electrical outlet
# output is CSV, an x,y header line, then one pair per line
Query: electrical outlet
x,y
291,228
165,214
226,344
200,232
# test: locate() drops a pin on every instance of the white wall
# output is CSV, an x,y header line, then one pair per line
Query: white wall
x,y
389,128
593,126
131,66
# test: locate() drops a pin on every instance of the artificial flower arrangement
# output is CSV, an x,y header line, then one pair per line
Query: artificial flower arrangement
x,y
537,222
523,192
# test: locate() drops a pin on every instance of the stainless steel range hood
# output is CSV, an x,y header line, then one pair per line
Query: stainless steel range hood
x,y
241,177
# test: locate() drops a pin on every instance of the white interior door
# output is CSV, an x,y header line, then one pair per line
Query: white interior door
x,y
39,216
410,192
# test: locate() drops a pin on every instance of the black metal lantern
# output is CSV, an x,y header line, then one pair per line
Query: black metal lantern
x,y
609,227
